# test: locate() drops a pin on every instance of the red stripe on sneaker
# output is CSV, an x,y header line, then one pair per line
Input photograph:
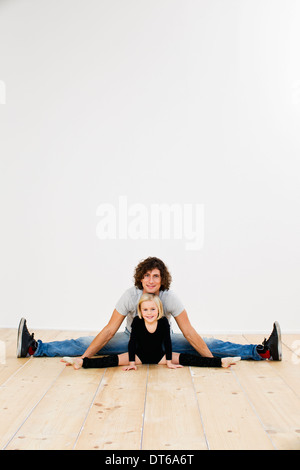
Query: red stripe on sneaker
x,y
31,351
265,355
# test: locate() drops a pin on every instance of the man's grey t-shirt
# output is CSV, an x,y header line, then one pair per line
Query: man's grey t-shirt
x,y
127,304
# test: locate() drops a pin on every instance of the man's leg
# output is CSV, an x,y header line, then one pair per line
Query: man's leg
x,y
269,349
117,345
181,345
217,347
27,345
227,349
68,347
76,347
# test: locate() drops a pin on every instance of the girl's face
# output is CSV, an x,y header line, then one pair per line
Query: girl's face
x,y
149,311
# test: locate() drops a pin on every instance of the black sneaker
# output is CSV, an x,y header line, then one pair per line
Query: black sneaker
x,y
273,344
26,344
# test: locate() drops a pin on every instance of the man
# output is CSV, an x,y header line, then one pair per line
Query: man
x,y
151,276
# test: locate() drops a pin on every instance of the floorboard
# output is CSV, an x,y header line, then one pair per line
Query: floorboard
x,y
46,405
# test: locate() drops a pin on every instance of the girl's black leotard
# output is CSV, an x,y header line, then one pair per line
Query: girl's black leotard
x,y
150,347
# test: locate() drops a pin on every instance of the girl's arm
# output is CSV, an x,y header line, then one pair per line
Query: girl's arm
x,y
132,346
168,346
171,365
167,340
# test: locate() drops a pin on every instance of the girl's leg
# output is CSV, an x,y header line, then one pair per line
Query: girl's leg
x,y
113,360
199,361
100,362
175,359
163,360
186,359
124,359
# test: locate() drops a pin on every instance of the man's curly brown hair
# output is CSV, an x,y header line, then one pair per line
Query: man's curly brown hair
x,y
147,265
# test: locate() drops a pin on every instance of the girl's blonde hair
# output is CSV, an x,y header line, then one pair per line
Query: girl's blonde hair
x,y
154,298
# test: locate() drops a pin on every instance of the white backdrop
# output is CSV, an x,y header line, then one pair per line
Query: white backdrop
x,y
181,102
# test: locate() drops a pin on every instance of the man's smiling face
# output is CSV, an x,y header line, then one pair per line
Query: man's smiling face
x,y
151,282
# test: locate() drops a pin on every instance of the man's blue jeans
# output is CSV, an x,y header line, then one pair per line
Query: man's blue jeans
x,y
119,344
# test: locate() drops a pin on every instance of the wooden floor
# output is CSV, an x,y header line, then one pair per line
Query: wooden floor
x,y
46,405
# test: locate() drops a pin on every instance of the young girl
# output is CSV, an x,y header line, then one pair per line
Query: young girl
x,y
150,343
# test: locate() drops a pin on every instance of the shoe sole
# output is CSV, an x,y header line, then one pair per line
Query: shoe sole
x,y
278,330
19,337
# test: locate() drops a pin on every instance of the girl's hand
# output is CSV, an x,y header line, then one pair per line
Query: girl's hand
x,y
76,362
170,365
131,366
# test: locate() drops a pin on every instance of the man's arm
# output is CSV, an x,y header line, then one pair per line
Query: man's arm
x,y
105,335
191,334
